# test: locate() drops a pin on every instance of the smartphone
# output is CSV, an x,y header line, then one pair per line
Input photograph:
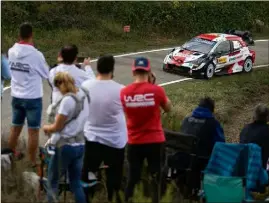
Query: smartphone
x,y
80,59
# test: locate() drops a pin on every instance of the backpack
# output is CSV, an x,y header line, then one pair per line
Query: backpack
x,y
52,109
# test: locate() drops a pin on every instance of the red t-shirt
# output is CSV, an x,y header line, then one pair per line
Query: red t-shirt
x,y
141,103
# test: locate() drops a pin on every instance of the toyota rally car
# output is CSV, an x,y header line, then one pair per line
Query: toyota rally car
x,y
210,54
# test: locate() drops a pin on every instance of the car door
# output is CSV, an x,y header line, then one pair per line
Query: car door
x,y
236,57
222,53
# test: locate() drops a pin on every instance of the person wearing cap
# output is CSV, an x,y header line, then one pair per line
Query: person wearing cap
x,y
141,102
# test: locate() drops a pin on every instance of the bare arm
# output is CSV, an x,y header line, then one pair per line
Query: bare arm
x,y
57,126
165,102
167,106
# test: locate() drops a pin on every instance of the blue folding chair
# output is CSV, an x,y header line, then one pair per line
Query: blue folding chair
x,y
223,189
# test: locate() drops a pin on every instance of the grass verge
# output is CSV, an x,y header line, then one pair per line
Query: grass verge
x,y
235,98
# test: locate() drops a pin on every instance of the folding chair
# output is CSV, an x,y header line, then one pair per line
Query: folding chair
x,y
228,188
223,189
187,174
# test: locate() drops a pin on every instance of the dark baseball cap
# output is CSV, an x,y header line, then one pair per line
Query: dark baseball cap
x,y
141,63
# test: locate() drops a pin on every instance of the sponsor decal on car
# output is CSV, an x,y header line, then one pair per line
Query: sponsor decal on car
x,y
222,60
189,65
235,57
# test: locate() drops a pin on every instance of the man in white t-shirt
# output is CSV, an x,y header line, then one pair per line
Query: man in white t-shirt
x,y
28,68
69,56
105,129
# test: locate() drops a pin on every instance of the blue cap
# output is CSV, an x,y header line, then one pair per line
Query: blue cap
x,y
141,63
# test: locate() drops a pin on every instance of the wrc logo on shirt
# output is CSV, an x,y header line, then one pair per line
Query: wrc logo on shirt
x,y
140,100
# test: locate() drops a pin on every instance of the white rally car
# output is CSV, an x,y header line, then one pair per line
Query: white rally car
x,y
210,54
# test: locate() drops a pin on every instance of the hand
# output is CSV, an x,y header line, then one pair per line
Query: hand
x,y
87,61
59,58
152,78
46,129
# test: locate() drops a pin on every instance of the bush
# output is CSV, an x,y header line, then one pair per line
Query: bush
x,y
168,17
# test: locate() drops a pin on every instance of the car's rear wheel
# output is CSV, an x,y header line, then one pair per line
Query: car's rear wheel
x,y
209,71
248,65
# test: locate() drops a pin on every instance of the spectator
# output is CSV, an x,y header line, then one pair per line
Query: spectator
x,y
204,125
257,132
28,68
70,147
67,59
142,101
105,129
5,72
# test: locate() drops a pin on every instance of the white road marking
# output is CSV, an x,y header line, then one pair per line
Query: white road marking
x,y
157,50
184,79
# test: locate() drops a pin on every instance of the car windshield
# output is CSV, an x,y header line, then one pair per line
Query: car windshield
x,y
199,45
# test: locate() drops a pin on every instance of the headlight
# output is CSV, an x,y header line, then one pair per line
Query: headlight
x,y
171,51
197,61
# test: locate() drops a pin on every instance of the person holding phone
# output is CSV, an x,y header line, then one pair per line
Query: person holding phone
x,y
68,59
142,101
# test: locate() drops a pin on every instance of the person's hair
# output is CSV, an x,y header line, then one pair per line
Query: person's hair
x,y
208,103
26,30
105,64
261,113
66,79
141,72
69,53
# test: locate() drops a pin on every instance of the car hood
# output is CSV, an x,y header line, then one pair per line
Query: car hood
x,y
182,55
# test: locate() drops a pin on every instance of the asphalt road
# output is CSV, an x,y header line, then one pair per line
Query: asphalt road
x,y
123,75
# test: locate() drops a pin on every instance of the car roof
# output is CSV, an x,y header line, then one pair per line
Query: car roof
x,y
218,37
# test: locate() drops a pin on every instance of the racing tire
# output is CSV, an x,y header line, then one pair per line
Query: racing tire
x,y
248,65
209,71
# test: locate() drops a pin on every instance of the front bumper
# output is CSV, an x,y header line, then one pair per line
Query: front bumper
x,y
182,70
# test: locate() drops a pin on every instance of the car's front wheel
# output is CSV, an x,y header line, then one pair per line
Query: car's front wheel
x,y
248,65
209,71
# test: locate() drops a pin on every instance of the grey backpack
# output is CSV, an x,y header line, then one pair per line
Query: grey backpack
x,y
53,108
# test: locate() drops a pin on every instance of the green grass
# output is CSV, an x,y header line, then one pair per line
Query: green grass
x,y
93,43
235,98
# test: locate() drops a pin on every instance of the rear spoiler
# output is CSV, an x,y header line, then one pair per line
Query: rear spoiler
x,y
245,35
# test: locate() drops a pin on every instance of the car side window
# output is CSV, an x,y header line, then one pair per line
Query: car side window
x,y
236,45
224,48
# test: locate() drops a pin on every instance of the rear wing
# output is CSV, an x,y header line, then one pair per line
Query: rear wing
x,y
245,35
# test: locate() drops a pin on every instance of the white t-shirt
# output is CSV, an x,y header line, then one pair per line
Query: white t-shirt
x,y
28,68
79,76
67,108
106,122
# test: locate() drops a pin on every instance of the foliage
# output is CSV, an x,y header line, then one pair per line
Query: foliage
x,y
174,16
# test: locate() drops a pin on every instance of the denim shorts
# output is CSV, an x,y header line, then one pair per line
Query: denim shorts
x,y
31,109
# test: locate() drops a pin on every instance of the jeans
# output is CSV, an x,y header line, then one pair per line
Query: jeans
x,y
31,109
66,159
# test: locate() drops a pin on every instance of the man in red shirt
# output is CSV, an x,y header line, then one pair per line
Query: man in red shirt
x,y
141,102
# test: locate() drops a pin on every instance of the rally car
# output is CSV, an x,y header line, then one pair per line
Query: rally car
x,y
210,54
